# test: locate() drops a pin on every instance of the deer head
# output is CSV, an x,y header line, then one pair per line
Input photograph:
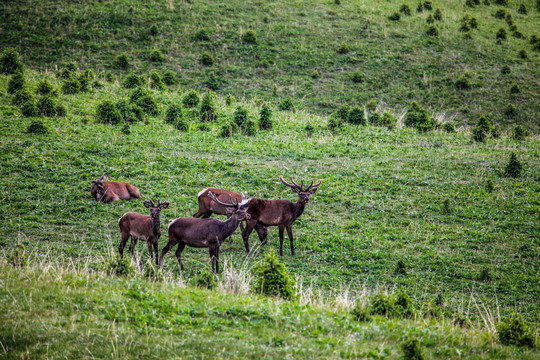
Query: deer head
x,y
98,189
155,209
235,208
303,194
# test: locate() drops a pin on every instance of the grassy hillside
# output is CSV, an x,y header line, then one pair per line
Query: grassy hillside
x,y
307,50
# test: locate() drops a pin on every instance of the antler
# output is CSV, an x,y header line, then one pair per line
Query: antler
x,y
213,197
102,177
163,205
314,187
295,187
149,203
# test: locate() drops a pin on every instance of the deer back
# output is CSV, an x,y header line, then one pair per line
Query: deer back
x,y
272,212
123,191
137,225
207,204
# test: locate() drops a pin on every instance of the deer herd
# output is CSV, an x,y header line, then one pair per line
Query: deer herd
x,y
201,231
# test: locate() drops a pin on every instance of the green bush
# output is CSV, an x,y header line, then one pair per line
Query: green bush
x,y
432,30
374,118
69,70
173,114
130,112
286,104
388,120
205,279
240,116
202,35
500,14
153,30
478,134
229,99
191,99
37,127
402,306
249,37
156,56
212,82
207,59
343,48
463,82
16,82
29,108
17,257
405,9
411,349
9,62
514,89
484,123
394,17
109,77
501,34
513,168
519,133
208,111
418,118
107,113
204,127
356,116
272,279
357,76
314,74
510,111
226,130
265,118
473,23
401,268
21,96
495,131
169,77
514,331
485,274
438,15
249,128
505,70
420,8
181,125
44,87
120,267
343,112
523,54
46,106
133,81
371,105
430,19
428,5
470,3
361,312
60,110
71,86
156,82
501,2
121,61
380,304
449,127
147,103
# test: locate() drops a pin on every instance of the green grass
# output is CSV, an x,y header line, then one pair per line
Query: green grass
x,y
400,63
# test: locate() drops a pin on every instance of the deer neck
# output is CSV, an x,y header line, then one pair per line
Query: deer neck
x,y
229,226
156,225
299,207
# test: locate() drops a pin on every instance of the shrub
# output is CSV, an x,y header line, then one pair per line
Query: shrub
x,y
9,62
394,17
121,61
463,82
411,349
356,116
229,99
514,331
249,128
469,3
169,77
69,70
156,56
204,127
505,70
357,76
133,81
405,9
202,35
17,257
249,37
71,86
265,117
432,31
130,112
418,118
401,268
438,15
478,134
343,111
449,127
430,19
107,113
495,131
523,54
510,111
207,113
402,305
371,105
343,48
205,279
464,26
271,278
519,133
121,267
420,8
226,130
489,186
484,124
286,104
501,34
156,82
240,116
500,14
513,168
21,96
191,99
361,312
514,89
46,106
173,114
148,104
374,118
207,59
388,120
16,82
501,2
212,82
473,23
380,304
182,125
60,110
29,108
334,121
44,87
315,74
153,30
37,127
428,5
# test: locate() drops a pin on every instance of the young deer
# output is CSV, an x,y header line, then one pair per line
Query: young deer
x,y
143,227
209,232
111,191
281,213
207,207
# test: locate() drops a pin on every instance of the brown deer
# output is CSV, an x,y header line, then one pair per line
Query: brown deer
x,y
281,213
111,191
208,232
142,227
207,207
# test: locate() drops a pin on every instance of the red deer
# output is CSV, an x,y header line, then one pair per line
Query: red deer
x,y
206,233
142,227
281,213
207,207
111,191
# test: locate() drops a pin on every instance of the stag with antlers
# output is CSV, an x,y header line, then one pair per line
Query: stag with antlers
x,y
206,233
281,213
142,227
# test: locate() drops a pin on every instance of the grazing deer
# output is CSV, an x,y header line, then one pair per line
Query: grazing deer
x,y
143,227
209,232
207,207
281,213
111,191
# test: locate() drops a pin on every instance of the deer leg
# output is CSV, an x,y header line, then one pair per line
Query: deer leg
x,y
156,251
123,242
281,230
179,250
207,214
214,258
247,231
199,213
150,250
262,231
132,247
165,250
289,232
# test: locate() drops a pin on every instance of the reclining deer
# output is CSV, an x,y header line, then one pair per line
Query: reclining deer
x,y
143,227
208,232
111,191
281,213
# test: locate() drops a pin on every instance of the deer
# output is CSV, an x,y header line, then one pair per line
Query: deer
x,y
281,213
142,227
111,191
207,207
207,232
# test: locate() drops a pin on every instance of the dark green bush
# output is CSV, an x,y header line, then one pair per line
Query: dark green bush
x,y
463,82
107,113
388,120
208,111
182,125
191,99
17,257
371,105
478,134
286,104
109,77
9,62
501,34
469,3
37,127
501,2
473,23
495,131
405,9
44,87
169,77
380,304
394,17
374,118
16,82
156,56
121,61
449,127
343,111
272,279
229,99
202,35
46,106
249,37
519,133
212,82
29,108
361,312
249,128
356,116
153,30
173,114
418,118
226,130
21,96
133,81
314,74
357,76
240,116
428,5
514,89
438,15
500,14
69,70
464,27
120,267
510,111
71,86
205,279
148,104
489,186
207,59
484,123
523,54
130,112
420,8
265,117
411,349
506,70
432,30
401,305
513,168
204,127
343,48
430,19
335,121
401,268
60,110
156,82
514,331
